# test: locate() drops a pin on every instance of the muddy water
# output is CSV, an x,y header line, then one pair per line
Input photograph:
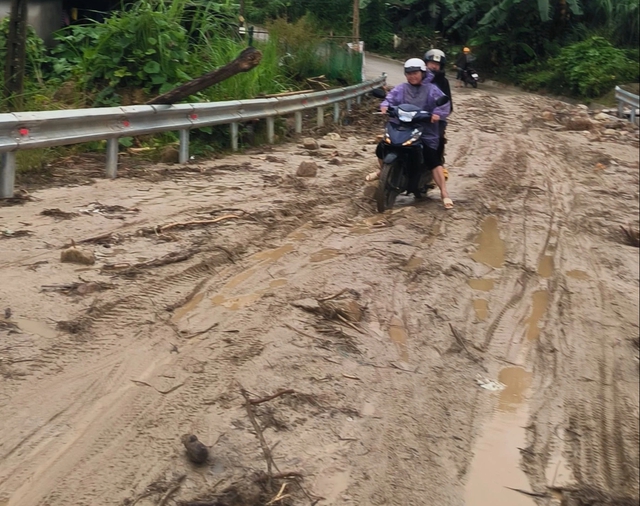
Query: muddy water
x,y
481,307
398,334
240,301
413,263
324,254
496,462
539,300
577,274
188,307
491,248
545,266
35,327
484,285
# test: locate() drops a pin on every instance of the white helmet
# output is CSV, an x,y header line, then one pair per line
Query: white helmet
x,y
414,64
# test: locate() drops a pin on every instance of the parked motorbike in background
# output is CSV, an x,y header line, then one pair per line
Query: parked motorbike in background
x,y
470,76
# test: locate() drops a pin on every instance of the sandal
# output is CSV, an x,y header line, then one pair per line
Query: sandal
x,y
447,203
373,176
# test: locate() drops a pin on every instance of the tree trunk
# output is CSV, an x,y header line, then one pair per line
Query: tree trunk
x,y
16,54
248,59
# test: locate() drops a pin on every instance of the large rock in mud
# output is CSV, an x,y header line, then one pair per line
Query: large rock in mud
x,y
307,169
78,256
310,143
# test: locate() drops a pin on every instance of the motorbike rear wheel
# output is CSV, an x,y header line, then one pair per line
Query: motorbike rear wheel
x,y
387,191
474,83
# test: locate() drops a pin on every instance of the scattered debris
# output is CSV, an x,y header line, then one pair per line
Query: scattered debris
x,y
632,236
158,229
591,496
57,213
114,212
81,288
197,452
491,385
77,256
6,234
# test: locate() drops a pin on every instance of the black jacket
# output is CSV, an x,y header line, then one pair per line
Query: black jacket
x,y
441,81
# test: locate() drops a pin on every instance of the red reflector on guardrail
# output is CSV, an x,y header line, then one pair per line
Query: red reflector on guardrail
x,y
23,131
193,116
126,123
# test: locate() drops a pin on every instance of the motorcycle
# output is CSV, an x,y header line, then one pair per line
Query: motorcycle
x,y
403,167
470,76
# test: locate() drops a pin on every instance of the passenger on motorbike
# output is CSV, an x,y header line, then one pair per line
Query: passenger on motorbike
x,y
435,60
421,93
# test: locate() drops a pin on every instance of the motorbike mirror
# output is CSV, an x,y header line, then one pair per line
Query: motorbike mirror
x,y
442,100
379,93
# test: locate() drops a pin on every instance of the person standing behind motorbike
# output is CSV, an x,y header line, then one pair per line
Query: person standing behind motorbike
x,y
462,64
420,92
435,60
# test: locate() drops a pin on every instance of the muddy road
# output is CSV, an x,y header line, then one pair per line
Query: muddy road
x,y
420,357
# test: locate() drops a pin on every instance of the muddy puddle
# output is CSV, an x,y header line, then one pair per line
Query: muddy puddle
x,y
34,327
324,254
578,274
539,302
481,307
496,462
491,248
483,285
399,335
545,266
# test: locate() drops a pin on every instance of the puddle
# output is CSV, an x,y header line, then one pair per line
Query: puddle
x,y
545,266
414,263
239,278
360,230
324,254
484,285
539,300
188,307
299,234
496,462
235,303
491,249
277,283
333,485
578,274
398,334
273,255
481,307
33,327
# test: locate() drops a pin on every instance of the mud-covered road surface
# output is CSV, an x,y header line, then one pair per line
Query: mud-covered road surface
x,y
484,356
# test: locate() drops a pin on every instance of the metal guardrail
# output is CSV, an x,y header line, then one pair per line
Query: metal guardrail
x,y
29,130
624,97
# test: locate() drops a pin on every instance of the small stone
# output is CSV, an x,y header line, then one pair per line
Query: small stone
x,y
332,136
328,145
601,116
77,256
307,169
370,190
335,161
197,452
170,155
274,159
310,143
610,131
583,107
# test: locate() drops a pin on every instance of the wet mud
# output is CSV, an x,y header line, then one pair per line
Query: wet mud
x,y
491,357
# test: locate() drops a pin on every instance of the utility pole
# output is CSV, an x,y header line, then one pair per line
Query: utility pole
x,y
356,22
16,54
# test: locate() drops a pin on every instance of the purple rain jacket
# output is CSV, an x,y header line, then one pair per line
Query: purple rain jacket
x,y
424,96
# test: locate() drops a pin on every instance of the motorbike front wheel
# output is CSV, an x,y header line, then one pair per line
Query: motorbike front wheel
x,y
387,190
474,83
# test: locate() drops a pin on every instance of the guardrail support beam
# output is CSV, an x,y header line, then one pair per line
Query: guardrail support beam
x,y
298,116
336,112
359,99
112,158
320,116
271,137
348,105
234,136
7,174
183,154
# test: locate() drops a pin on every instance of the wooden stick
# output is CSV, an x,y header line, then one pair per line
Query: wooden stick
x,y
256,427
270,397
196,222
172,490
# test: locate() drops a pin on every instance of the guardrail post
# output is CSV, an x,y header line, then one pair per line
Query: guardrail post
x,y
298,116
271,130
234,136
633,114
320,116
359,99
620,109
348,105
112,158
336,112
183,154
7,174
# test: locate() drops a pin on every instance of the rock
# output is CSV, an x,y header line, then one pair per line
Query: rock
x,y
579,124
548,116
87,288
307,169
332,136
328,145
348,309
601,116
197,452
610,131
335,161
170,155
77,256
310,143
274,159
583,107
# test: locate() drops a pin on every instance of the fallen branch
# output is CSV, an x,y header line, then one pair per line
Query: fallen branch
x,y
172,490
270,397
471,356
162,228
268,457
530,494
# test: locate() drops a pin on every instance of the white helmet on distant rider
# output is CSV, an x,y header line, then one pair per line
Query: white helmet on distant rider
x,y
414,65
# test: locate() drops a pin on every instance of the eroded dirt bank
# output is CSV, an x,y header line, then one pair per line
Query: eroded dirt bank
x,y
391,330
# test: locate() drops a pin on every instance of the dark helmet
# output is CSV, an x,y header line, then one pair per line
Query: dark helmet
x,y
437,56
